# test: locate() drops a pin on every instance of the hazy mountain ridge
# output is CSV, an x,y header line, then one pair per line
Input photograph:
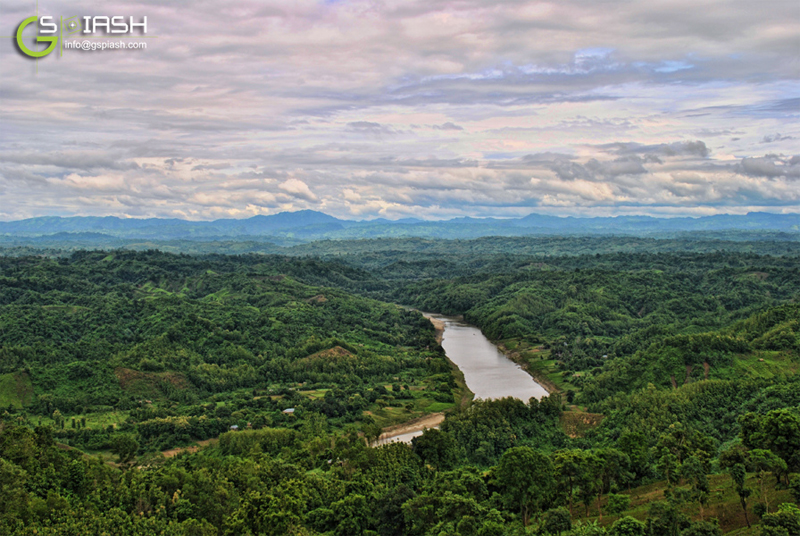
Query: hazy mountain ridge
x,y
307,225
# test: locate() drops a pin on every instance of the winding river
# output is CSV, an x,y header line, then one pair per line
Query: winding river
x,y
487,371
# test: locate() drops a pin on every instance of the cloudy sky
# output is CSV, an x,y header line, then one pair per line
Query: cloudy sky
x,y
422,108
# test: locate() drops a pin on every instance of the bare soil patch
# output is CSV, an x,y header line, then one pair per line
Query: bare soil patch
x,y
431,420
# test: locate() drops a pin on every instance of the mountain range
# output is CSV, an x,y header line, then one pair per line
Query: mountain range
x,y
309,225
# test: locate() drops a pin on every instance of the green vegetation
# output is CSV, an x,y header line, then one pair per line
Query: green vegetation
x,y
179,349
16,390
675,412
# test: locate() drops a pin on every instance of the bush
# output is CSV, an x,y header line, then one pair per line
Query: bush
x,y
556,521
703,528
794,486
617,503
587,529
627,526
785,521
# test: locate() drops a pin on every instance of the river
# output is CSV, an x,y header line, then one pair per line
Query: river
x,y
487,371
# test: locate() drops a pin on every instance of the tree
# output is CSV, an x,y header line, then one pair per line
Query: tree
x,y
12,489
526,479
785,521
634,444
567,465
703,528
664,518
738,476
677,440
794,486
58,419
371,432
590,528
350,515
628,526
613,466
390,510
762,462
669,467
556,520
778,431
618,503
589,479
436,448
124,446
736,453
695,472
781,429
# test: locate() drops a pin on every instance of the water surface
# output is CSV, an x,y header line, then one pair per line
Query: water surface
x,y
488,372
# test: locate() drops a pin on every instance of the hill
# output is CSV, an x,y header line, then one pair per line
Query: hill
x,y
308,225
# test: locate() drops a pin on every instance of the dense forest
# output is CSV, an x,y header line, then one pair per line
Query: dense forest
x,y
674,406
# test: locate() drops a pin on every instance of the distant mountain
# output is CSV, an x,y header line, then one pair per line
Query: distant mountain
x,y
309,225
261,225
303,222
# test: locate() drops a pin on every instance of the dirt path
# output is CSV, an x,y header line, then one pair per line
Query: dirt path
x,y
194,448
431,420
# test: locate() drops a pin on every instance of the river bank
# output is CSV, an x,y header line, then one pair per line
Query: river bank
x,y
481,370
541,378
438,326
405,431
466,395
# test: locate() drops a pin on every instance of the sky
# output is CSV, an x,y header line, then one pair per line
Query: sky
x,y
431,109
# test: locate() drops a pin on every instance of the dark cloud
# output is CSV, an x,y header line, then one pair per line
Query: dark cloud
x,y
771,166
620,166
683,148
84,160
772,138
448,126
368,125
206,167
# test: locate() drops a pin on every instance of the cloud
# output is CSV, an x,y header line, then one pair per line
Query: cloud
x,y
298,188
620,166
430,109
771,166
448,126
772,138
681,148
365,125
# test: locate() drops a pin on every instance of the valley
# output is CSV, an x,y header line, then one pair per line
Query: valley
x,y
667,375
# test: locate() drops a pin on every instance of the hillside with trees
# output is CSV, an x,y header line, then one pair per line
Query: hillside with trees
x,y
675,405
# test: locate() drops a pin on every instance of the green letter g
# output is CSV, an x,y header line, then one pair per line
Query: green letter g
x,y
53,40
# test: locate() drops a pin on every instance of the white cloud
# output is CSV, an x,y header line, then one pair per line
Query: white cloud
x,y
408,108
298,189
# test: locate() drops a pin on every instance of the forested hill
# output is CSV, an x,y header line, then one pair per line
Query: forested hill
x,y
620,321
148,393
154,339
371,253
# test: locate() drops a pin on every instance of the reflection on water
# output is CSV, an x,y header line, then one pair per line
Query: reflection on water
x,y
488,373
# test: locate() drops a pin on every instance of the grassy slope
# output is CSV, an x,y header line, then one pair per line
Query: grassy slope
x,y
15,390
723,504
